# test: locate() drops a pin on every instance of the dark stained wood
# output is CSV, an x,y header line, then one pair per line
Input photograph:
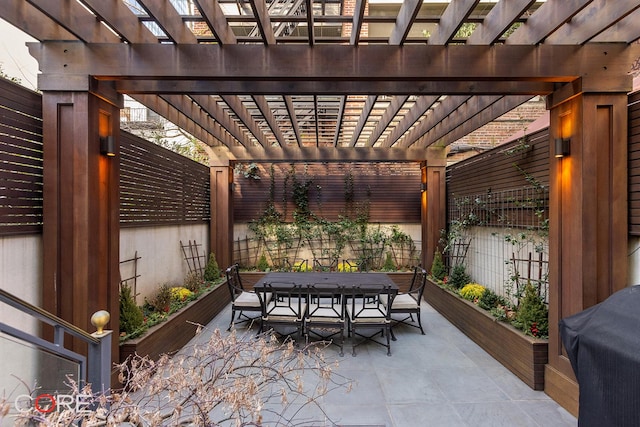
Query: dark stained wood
x,y
452,19
392,191
171,335
502,168
498,20
160,187
588,214
547,18
634,163
325,63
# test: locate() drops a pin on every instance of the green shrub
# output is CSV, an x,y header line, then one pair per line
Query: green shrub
x,y
490,299
388,263
532,316
263,265
459,277
131,317
472,291
438,269
212,270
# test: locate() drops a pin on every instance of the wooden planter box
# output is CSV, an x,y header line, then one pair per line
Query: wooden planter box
x,y
172,334
523,355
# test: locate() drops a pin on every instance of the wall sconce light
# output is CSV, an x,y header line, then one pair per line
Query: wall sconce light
x,y
562,147
107,146
423,187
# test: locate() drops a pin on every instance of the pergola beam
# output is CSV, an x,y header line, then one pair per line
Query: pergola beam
x,y
408,12
325,64
287,87
451,20
321,154
216,21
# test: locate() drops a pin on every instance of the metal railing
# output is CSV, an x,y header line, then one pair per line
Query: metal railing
x,y
95,368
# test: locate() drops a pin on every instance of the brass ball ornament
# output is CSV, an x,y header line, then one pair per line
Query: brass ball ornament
x,y
100,320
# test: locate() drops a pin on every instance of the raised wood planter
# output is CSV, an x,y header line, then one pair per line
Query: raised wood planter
x,y
172,334
523,355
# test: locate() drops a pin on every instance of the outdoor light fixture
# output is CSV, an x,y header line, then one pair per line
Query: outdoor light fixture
x,y
562,147
107,146
423,187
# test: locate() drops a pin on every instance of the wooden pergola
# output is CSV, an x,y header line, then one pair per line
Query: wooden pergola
x,y
372,81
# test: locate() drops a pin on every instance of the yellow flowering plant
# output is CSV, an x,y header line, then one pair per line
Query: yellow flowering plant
x,y
180,293
472,291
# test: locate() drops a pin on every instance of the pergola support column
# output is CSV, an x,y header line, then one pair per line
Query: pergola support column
x,y
588,217
81,208
433,201
221,227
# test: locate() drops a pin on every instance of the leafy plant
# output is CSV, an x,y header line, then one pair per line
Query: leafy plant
x,y
180,293
459,277
388,263
472,291
212,270
532,316
263,264
438,269
490,300
131,316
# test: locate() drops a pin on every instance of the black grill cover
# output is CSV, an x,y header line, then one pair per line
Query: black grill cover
x,y
603,345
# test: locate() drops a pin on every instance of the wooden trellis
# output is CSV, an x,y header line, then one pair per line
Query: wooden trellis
x,y
195,261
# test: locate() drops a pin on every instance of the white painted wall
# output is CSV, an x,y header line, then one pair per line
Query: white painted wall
x,y
241,231
161,257
20,275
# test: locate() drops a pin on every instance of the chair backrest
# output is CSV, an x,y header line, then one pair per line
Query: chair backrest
x,y
418,283
366,301
284,299
325,300
233,281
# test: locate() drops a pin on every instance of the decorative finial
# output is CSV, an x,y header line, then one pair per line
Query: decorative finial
x,y
100,320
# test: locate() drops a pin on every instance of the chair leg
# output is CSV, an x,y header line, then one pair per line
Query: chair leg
x,y
420,323
233,315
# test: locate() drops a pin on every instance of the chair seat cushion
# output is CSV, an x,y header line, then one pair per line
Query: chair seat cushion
x,y
247,299
284,312
366,314
403,302
322,314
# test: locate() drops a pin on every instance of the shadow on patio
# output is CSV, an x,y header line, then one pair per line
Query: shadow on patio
x,y
438,379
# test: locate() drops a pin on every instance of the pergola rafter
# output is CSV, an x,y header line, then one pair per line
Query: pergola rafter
x,y
289,48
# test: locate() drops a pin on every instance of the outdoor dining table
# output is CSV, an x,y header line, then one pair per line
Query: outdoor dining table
x,y
345,280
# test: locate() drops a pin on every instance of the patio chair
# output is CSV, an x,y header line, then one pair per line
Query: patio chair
x,y
283,305
365,310
408,303
241,300
324,317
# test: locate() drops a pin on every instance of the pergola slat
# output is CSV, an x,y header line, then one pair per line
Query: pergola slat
x,y
167,18
548,18
216,21
498,20
406,16
120,18
70,14
451,20
592,20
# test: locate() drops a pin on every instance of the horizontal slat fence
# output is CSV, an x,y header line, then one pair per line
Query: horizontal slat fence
x,y
504,168
390,191
20,160
160,187
634,164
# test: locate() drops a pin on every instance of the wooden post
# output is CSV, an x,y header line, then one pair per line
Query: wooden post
x,y
221,228
588,216
81,208
433,202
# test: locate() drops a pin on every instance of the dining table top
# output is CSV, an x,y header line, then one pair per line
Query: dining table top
x,y
327,278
